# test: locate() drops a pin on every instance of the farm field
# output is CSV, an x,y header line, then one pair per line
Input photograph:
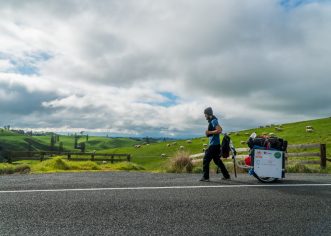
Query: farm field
x,y
156,157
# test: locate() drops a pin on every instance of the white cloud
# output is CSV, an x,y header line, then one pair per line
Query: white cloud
x,y
110,63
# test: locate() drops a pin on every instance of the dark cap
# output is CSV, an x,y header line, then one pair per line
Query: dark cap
x,y
209,111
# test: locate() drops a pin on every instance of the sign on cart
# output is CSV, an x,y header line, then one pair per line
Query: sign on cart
x,y
268,163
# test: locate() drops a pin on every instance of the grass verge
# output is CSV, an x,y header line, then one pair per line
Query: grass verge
x,y
59,164
12,169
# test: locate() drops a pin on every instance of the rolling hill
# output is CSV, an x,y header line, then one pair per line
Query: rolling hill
x,y
149,156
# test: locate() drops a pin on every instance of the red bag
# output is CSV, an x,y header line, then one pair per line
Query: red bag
x,y
248,160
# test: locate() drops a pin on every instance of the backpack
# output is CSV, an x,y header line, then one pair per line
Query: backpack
x,y
268,143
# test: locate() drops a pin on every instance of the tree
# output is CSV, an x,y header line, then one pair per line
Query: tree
x,y
76,141
52,142
61,147
82,147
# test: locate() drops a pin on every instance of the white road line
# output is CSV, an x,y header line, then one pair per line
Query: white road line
x,y
165,187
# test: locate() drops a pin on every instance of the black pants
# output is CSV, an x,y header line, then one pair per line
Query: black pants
x,y
213,153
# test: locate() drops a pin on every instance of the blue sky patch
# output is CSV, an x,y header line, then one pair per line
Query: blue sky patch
x,y
172,99
290,4
28,63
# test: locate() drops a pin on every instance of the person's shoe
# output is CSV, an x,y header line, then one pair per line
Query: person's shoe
x,y
226,178
203,179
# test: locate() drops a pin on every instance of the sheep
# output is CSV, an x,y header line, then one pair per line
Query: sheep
x,y
163,155
181,147
271,134
278,129
205,144
309,127
174,143
168,145
309,130
204,149
189,141
137,146
104,162
246,133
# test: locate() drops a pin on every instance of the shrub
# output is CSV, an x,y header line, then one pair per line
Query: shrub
x,y
181,162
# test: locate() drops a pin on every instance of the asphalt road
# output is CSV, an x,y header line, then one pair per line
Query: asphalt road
x,y
127,203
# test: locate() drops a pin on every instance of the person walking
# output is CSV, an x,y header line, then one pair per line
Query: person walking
x,y
213,152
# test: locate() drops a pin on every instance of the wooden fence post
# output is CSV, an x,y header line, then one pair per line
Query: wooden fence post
x,y
69,156
129,157
92,157
112,159
323,155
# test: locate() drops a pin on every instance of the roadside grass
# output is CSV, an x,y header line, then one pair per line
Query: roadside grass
x,y
60,164
12,169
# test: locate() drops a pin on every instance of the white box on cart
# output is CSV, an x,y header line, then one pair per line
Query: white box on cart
x,y
268,163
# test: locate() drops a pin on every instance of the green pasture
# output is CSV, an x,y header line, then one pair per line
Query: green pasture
x,y
149,157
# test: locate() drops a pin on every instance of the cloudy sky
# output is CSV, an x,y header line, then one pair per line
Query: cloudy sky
x,y
150,67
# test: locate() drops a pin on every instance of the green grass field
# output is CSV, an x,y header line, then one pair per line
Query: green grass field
x,y
148,157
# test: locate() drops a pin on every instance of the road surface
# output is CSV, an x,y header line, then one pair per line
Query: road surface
x,y
130,203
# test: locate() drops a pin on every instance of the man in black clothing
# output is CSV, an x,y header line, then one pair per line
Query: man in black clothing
x,y
213,151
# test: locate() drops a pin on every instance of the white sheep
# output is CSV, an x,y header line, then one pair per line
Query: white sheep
x,y
137,146
309,127
168,145
163,155
174,143
181,147
205,144
204,149
309,130
278,129
246,133
189,141
271,134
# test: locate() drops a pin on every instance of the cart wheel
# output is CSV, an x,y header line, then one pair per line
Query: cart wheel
x,y
265,179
